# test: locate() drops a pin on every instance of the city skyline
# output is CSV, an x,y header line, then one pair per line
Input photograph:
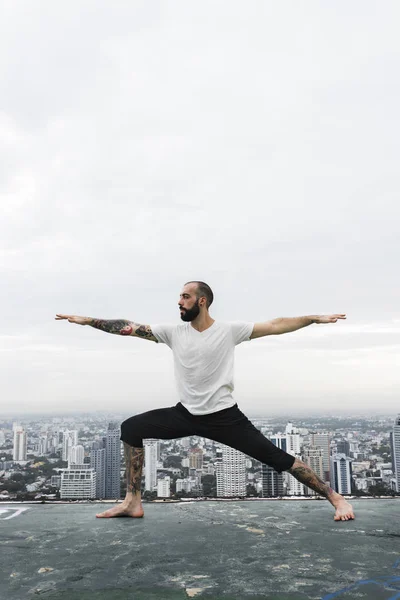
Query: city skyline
x,y
83,462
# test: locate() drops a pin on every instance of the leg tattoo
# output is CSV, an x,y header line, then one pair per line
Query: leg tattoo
x,y
305,475
134,464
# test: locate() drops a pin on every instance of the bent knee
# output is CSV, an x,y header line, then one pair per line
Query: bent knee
x,y
130,433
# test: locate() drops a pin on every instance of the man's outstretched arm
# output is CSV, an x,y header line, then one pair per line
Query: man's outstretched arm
x,y
116,326
288,324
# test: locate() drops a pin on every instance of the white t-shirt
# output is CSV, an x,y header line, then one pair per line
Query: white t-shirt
x,y
204,362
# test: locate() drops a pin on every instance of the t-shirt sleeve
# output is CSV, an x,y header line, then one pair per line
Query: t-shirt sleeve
x,y
241,331
163,333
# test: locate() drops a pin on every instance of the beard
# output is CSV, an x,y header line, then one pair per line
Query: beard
x,y
191,313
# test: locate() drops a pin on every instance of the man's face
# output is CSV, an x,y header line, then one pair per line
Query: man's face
x,y
189,303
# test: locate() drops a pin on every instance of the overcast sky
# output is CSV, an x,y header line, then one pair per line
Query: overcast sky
x,y
253,145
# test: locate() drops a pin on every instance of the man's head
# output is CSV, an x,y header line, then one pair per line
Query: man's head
x,y
195,297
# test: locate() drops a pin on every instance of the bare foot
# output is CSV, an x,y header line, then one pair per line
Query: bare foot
x,y
123,510
344,511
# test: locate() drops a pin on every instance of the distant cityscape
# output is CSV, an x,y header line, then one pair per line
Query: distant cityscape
x,y
81,458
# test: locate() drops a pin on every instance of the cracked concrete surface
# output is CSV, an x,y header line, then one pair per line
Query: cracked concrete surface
x,y
231,551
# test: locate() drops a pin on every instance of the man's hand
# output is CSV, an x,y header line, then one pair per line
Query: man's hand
x,y
74,319
328,318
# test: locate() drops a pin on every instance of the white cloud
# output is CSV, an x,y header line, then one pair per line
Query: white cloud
x,y
141,147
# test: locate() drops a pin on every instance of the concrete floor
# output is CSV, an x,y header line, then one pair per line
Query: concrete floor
x,y
270,550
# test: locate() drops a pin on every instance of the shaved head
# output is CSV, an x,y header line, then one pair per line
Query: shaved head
x,y
203,290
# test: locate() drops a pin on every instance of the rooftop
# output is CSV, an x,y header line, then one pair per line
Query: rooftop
x,y
267,550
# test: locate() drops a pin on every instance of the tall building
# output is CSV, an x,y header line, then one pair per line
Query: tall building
x,y
279,439
78,483
195,458
341,474
20,443
313,456
43,447
272,482
323,441
343,447
293,447
98,464
395,444
231,472
113,462
70,438
150,464
76,455
164,487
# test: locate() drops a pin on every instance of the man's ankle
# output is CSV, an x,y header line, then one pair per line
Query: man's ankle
x,y
335,498
133,498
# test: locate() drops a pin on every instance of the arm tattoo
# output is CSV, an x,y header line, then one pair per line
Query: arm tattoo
x,y
305,475
123,327
133,464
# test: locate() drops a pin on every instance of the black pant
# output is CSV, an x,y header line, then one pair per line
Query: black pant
x,y
228,426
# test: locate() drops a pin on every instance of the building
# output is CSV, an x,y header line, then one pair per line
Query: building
x,y
164,487
43,446
272,482
395,444
183,485
150,464
76,455
343,447
313,456
341,473
231,472
70,438
293,447
113,462
322,440
98,464
78,483
195,458
20,444
279,439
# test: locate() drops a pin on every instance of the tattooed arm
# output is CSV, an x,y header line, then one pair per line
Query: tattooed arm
x,y
116,326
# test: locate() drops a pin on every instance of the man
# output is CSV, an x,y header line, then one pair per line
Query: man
x,y
203,355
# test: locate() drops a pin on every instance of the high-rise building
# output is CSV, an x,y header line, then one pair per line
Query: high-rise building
x,y
76,455
20,443
78,483
195,458
395,444
231,472
113,462
323,441
98,464
43,447
279,439
293,447
164,487
343,447
150,464
272,482
313,456
341,473
70,438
